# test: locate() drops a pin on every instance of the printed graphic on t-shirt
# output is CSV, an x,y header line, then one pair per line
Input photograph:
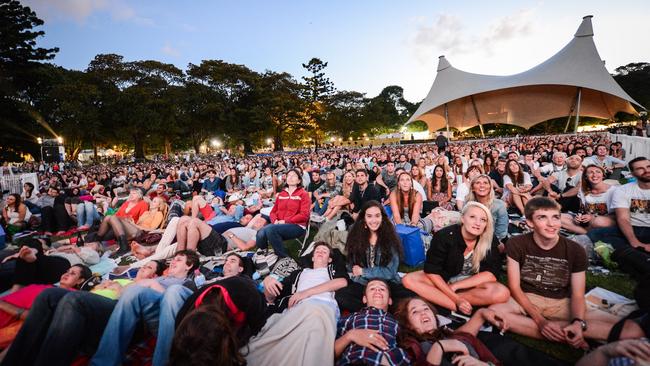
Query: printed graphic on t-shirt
x,y
599,208
547,273
639,206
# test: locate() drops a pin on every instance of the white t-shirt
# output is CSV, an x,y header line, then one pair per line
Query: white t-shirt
x,y
418,187
551,168
600,204
635,199
315,277
428,171
507,180
462,191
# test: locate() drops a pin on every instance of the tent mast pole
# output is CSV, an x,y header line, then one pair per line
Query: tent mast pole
x,y
573,108
447,119
478,119
575,129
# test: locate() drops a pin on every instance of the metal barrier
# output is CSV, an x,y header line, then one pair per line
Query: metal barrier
x,y
14,183
634,146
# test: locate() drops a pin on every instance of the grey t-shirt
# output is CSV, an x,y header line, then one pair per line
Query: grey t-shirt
x,y
243,233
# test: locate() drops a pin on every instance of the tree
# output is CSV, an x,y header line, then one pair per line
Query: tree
x,y
346,114
238,90
317,91
20,60
389,109
280,106
634,78
200,108
18,52
71,107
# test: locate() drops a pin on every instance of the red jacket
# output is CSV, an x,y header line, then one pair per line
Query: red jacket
x,y
292,208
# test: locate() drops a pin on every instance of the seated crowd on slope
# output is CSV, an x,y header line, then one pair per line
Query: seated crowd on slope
x,y
192,261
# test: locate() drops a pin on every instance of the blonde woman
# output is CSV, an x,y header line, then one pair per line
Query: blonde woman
x,y
482,192
462,264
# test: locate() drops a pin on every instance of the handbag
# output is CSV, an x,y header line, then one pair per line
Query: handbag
x,y
411,243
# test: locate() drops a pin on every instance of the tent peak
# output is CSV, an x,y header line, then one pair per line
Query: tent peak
x,y
585,29
442,63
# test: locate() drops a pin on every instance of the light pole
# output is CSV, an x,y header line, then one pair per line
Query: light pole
x,y
40,142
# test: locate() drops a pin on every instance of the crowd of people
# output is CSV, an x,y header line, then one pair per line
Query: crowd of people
x,y
192,261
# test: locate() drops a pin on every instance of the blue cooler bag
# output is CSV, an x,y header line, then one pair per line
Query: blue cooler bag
x,y
412,244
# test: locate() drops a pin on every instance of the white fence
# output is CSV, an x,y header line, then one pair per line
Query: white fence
x,y
14,183
634,146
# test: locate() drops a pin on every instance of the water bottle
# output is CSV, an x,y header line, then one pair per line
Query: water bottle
x,y
199,280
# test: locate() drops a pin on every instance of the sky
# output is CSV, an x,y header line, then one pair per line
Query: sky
x,y
368,44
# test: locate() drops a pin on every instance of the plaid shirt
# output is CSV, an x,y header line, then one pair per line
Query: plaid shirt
x,y
374,319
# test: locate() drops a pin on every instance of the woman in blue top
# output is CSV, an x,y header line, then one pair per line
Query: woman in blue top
x,y
374,251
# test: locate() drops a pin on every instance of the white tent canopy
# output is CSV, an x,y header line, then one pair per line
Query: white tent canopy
x,y
572,82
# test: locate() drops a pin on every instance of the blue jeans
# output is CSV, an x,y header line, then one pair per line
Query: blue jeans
x,y
276,234
321,210
86,214
632,260
60,324
35,209
172,301
157,310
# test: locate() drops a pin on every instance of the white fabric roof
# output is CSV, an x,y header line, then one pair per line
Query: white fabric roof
x,y
544,92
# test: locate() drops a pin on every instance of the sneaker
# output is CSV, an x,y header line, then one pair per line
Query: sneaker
x,y
317,218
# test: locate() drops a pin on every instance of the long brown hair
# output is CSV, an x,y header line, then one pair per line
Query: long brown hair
x,y
358,239
410,200
587,187
208,336
519,179
444,181
407,332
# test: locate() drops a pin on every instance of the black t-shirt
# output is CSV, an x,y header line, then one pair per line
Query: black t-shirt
x,y
497,177
358,197
314,185
547,272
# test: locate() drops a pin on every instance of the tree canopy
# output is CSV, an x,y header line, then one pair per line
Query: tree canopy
x,y
153,107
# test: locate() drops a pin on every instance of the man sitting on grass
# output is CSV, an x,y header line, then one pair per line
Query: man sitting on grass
x,y
546,277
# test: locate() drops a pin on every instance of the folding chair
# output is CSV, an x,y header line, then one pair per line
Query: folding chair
x,y
303,242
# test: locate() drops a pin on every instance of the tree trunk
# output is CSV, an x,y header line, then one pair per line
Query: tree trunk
x,y
168,146
248,147
138,149
95,153
279,146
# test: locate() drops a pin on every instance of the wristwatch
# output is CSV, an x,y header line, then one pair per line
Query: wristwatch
x,y
583,324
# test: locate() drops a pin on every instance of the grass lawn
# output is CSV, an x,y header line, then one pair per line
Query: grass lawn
x,y
614,281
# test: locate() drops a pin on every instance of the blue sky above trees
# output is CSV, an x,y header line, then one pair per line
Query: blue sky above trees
x,y
368,44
